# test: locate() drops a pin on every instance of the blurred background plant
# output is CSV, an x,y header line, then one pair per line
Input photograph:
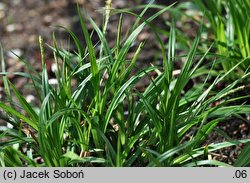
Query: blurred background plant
x,y
228,24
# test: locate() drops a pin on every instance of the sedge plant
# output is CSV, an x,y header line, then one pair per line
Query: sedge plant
x,y
103,120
